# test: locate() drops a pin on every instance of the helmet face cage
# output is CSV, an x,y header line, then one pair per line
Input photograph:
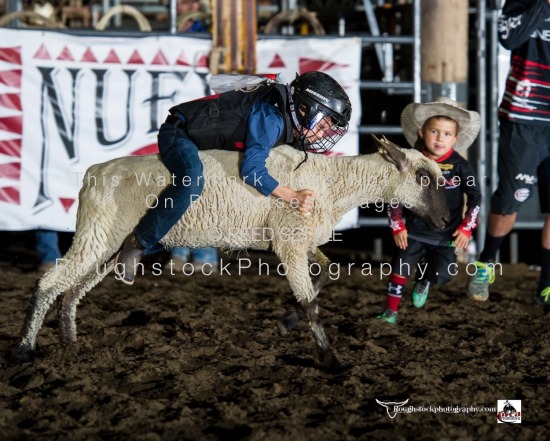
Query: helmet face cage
x,y
323,111
320,128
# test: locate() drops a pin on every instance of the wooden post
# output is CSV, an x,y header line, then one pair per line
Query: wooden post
x,y
250,36
444,49
234,33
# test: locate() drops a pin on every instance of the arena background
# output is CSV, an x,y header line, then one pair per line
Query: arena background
x,y
199,358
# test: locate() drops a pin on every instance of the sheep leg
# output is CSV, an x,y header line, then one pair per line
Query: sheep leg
x,y
48,288
293,316
66,312
65,275
327,359
302,287
317,257
36,312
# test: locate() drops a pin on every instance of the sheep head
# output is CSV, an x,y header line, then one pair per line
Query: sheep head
x,y
420,188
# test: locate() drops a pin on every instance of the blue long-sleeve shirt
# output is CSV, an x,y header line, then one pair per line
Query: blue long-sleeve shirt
x,y
264,127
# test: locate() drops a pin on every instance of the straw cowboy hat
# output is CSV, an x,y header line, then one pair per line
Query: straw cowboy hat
x,y
416,114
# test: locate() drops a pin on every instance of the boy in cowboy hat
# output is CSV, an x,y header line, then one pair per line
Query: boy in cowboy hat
x,y
440,130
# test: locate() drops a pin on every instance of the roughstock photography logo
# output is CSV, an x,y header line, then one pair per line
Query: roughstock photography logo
x,y
392,407
509,411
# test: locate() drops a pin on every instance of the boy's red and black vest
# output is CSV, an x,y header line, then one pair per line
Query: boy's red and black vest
x,y
216,121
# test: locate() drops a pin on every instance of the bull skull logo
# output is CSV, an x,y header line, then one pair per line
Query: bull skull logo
x,y
392,406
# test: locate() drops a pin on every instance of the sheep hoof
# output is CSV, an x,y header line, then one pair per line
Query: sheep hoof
x,y
68,343
285,327
22,353
288,322
283,331
329,363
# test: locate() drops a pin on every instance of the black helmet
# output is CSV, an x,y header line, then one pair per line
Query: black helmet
x,y
317,96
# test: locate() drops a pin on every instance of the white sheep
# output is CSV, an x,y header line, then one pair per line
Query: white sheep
x,y
232,215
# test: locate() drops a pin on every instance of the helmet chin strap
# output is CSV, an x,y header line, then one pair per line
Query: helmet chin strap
x,y
292,109
305,155
302,138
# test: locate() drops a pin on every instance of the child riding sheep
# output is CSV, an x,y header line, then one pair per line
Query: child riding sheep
x,y
311,115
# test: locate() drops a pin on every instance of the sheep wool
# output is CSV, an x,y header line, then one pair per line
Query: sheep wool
x,y
232,215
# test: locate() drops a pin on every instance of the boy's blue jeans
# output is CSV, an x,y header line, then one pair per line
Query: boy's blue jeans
x,y
47,246
180,155
198,255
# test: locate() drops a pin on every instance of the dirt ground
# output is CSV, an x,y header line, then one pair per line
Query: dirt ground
x,y
199,358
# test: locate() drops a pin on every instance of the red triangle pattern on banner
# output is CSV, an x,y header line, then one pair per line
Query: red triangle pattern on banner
x,y
147,150
11,54
11,78
277,62
112,57
65,55
135,58
159,59
12,124
42,53
11,147
11,101
89,56
309,64
9,195
182,60
11,170
203,61
67,203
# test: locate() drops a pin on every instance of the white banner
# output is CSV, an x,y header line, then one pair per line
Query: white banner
x,y
67,102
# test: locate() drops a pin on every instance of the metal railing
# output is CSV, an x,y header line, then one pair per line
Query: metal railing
x,y
384,51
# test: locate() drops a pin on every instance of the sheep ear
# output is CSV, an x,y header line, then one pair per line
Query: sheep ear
x,y
391,153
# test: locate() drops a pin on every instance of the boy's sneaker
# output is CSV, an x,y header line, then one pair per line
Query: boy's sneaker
x,y
543,298
420,293
389,316
478,288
